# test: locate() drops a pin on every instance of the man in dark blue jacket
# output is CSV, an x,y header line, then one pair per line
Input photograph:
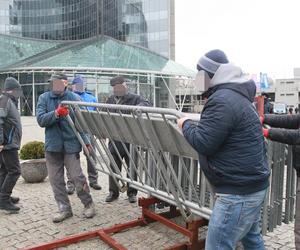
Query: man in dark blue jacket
x,y
62,148
232,154
122,96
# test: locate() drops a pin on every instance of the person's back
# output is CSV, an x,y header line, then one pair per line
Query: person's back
x,y
235,150
232,154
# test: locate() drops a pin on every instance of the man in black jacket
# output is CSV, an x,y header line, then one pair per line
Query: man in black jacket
x,y
10,140
122,96
231,152
285,129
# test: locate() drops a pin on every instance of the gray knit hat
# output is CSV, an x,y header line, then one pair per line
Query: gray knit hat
x,y
11,83
211,61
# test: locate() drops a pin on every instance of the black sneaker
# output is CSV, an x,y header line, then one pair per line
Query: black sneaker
x,y
14,199
95,186
8,206
132,198
111,197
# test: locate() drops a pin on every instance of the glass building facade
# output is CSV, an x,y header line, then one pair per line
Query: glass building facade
x,y
147,23
98,39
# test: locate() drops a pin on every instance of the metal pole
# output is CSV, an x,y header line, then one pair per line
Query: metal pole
x,y
33,95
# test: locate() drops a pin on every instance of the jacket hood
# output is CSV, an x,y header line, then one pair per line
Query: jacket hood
x,y
228,73
229,76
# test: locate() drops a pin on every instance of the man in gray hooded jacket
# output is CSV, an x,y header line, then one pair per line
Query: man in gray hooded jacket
x,y
10,140
232,154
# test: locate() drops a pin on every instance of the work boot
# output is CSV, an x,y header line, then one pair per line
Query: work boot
x,y
132,198
95,186
111,197
8,206
14,199
61,216
70,188
89,210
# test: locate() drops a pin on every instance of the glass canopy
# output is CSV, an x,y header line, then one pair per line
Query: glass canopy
x,y
98,52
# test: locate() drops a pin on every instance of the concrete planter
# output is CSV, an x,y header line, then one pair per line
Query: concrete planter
x,y
34,170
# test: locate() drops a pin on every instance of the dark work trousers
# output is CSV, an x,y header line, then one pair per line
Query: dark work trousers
x,y
297,216
112,185
10,171
92,174
56,162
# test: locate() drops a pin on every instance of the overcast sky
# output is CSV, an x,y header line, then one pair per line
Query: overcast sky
x,y
258,35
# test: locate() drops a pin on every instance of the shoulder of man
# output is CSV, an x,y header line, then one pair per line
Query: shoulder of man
x,y
72,96
4,103
90,96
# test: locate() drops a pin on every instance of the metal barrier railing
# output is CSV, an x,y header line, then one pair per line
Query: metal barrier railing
x,y
162,164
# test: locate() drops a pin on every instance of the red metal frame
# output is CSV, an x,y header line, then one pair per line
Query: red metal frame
x,y
148,216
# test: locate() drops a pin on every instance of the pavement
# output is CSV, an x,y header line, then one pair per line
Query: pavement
x,y
33,225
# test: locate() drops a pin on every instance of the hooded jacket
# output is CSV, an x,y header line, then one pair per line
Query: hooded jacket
x,y
228,138
10,123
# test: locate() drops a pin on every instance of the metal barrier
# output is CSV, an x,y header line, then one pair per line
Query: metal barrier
x,y
160,163
279,205
163,162
168,167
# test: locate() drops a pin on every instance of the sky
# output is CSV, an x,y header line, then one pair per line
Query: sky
x,y
257,35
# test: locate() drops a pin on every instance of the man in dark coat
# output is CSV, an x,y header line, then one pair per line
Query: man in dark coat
x,y
10,140
122,96
231,152
285,129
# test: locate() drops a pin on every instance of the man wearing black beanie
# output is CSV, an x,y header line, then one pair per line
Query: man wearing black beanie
x,y
232,154
10,140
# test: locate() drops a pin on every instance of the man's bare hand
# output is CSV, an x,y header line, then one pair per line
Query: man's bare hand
x,y
181,121
1,147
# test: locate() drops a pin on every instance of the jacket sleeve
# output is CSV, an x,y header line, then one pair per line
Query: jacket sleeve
x,y
3,114
283,121
143,102
287,136
215,124
44,118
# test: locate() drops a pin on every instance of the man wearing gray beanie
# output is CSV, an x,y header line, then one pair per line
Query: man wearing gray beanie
x,y
232,153
10,140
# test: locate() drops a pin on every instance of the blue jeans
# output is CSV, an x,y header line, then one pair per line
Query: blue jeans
x,y
236,218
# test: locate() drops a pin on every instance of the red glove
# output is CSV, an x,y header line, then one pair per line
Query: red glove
x,y
265,132
62,111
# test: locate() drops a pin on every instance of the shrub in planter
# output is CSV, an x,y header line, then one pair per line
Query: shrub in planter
x,y
33,164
